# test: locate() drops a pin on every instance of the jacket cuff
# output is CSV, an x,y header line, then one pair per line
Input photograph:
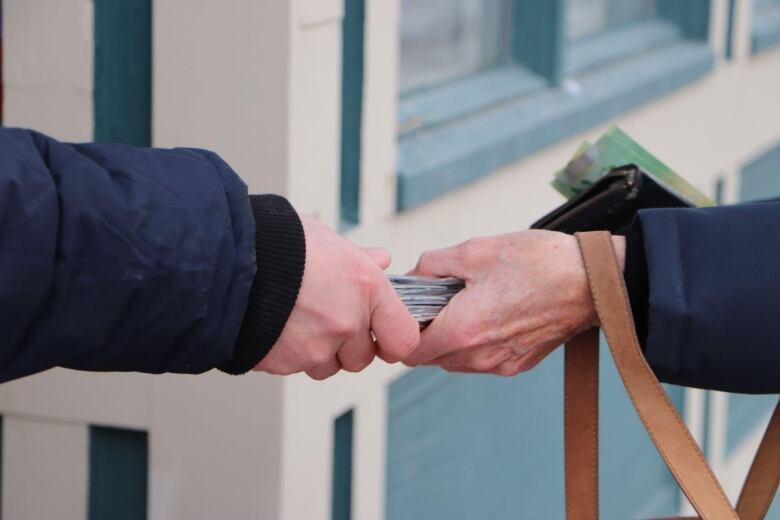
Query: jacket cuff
x,y
280,251
637,280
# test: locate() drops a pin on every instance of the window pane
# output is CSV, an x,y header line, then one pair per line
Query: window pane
x,y
586,17
446,39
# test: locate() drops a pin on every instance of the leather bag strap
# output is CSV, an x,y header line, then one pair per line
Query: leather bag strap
x,y
761,483
661,420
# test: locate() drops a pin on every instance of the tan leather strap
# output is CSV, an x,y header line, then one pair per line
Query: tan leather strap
x,y
764,475
661,420
581,426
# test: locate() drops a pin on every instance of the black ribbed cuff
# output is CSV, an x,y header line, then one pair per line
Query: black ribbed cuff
x,y
280,250
637,280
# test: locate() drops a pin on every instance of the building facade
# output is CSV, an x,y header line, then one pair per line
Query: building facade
x,y
411,124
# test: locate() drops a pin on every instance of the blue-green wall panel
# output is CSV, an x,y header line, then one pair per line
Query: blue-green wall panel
x,y
123,71
118,474
341,500
351,109
469,446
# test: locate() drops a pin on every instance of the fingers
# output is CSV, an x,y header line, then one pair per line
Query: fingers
x,y
440,263
379,255
325,370
357,353
437,339
397,332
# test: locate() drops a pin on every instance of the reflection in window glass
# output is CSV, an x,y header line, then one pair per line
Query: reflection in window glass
x,y
587,17
447,39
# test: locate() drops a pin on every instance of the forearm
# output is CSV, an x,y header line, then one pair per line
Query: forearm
x,y
281,254
712,283
119,258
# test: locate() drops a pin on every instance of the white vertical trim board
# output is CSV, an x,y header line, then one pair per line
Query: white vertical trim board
x,y
44,469
380,107
47,67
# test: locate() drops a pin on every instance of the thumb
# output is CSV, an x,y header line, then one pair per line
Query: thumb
x,y
379,255
397,332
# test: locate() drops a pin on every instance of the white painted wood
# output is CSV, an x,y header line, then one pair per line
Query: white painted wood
x,y
221,82
315,120
719,14
44,469
47,67
116,399
215,447
370,454
313,12
380,107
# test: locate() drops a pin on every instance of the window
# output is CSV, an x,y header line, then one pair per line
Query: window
x,y
483,83
443,40
123,71
766,24
590,17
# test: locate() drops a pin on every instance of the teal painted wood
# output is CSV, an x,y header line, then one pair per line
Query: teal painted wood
x,y
471,446
351,109
118,474
537,37
437,161
123,71
691,16
730,30
429,108
341,500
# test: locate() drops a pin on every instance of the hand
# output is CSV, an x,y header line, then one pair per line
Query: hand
x,y
526,293
343,297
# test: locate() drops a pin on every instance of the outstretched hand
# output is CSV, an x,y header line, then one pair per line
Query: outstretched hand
x,y
344,297
526,293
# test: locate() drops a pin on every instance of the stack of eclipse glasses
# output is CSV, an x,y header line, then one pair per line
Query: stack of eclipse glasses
x,y
425,297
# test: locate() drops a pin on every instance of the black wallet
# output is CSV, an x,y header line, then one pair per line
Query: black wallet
x,y
611,203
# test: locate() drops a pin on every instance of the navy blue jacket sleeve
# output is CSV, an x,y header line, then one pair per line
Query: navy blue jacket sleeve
x,y
713,293
119,258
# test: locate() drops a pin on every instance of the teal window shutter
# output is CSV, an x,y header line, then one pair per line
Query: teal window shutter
x,y
123,72
118,474
351,110
341,499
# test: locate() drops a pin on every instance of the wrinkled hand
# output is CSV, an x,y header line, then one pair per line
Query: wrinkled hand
x,y
343,297
526,293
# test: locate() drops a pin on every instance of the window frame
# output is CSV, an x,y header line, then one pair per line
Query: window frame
x,y
452,134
